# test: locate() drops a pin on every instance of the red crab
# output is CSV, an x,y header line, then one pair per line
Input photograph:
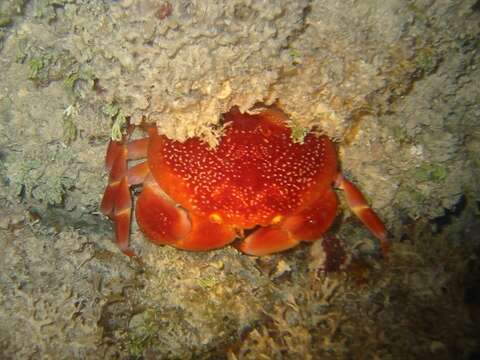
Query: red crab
x,y
256,179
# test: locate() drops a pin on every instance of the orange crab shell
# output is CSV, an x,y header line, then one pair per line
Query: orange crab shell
x,y
255,175
198,198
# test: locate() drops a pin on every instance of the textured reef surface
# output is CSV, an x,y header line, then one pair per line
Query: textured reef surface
x,y
394,82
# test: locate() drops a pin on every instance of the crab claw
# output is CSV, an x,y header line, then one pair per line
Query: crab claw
x,y
307,224
267,240
158,217
165,223
314,220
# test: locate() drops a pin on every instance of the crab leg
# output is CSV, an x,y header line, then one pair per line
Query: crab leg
x,y
137,149
116,165
359,206
138,173
117,201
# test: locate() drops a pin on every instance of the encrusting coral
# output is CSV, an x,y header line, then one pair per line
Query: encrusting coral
x,y
394,82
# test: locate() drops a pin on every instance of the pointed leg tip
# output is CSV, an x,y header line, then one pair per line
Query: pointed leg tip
x,y
246,249
129,252
132,255
385,246
240,246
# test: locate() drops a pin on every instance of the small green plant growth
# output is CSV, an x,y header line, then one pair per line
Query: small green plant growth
x,y
49,64
70,80
78,76
400,134
45,176
21,53
5,20
159,331
143,333
418,11
35,65
298,132
9,9
45,9
69,127
410,194
208,282
427,59
119,120
111,110
430,172
295,56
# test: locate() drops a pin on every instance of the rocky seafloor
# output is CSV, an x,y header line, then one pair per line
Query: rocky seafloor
x,y
394,82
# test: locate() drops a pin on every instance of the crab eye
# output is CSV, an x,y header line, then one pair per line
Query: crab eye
x,y
277,219
216,218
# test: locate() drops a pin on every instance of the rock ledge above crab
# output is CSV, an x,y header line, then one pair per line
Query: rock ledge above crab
x,y
257,178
